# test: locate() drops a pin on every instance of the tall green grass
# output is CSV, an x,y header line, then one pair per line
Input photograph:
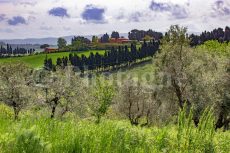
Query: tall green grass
x,y
196,139
31,135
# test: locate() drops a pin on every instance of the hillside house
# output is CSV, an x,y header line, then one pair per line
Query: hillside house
x,y
119,40
50,50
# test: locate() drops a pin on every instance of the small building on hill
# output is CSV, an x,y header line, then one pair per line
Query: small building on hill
x,y
119,40
50,50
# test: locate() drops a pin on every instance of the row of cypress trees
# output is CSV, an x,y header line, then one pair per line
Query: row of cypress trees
x,y
114,58
9,51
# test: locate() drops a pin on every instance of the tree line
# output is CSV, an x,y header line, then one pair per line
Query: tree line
x,y
139,35
9,51
217,34
113,58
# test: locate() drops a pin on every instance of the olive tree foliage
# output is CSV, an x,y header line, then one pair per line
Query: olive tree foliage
x,y
15,89
222,52
100,98
224,106
187,75
61,43
136,102
62,90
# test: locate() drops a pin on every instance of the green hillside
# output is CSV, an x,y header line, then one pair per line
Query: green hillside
x,y
37,61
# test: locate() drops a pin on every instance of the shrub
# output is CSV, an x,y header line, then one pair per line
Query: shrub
x,y
28,142
6,112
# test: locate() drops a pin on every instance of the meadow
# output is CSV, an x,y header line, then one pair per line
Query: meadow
x,y
37,133
37,61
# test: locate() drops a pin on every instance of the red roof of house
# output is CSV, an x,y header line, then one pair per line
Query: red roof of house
x,y
119,40
48,49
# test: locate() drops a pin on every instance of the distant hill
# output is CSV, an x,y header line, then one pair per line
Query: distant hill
x,y
49,40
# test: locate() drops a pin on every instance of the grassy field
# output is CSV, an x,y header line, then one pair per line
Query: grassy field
x,y
35,133
37,61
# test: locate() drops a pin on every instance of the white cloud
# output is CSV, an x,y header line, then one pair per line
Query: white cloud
x,y
120,15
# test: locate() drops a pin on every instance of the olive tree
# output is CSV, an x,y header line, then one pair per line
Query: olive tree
x,y
101,98
61,43
136,102
61,88
15,89
189,75
224,106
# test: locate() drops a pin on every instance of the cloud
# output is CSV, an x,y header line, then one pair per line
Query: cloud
x,y
31,18
46,28
20,2
120,16
27,3
2,17
59,12
177,11
108,15
135,17
66,28
93,14
16,20
221,8
159,7
7,30
5,1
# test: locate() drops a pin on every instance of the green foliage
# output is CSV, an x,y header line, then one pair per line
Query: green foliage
x,y
216,48
14,89
61,43
79,46
191,75
103,95
176,36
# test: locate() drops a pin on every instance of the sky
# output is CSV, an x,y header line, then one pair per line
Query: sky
x,y
55,18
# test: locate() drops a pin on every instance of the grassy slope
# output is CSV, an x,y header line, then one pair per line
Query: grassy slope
x,y
37,61
36,133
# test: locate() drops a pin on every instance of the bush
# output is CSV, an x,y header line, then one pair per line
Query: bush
x,y
28,142
6,112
